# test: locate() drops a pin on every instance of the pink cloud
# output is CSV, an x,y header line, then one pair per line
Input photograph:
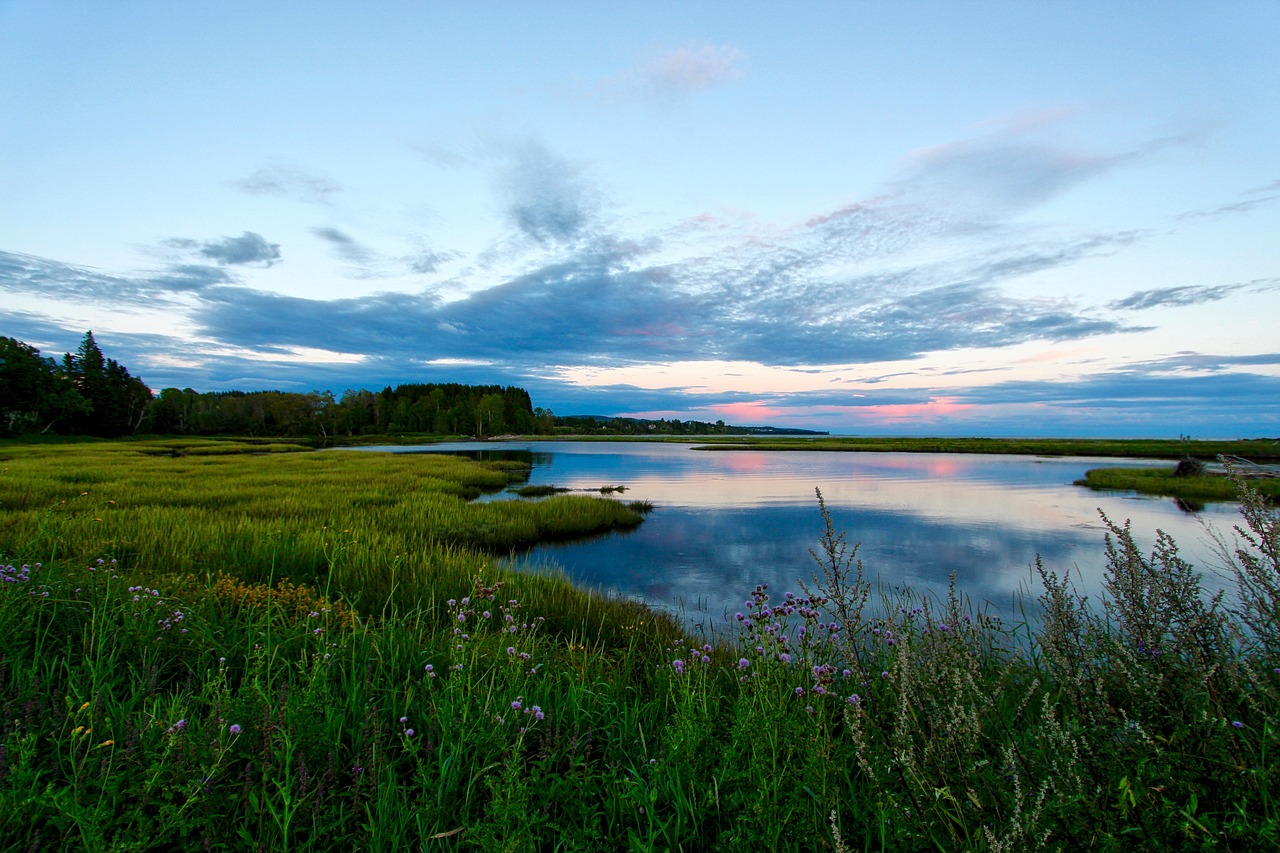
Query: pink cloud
x,y
747,413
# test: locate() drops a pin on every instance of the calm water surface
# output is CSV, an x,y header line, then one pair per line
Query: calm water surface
x,y
725,521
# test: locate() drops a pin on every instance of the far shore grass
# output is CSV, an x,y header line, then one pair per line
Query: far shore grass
x,y
1161,481
1262,450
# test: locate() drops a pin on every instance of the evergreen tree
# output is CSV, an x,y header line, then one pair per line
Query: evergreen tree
x,y
117,400
35,396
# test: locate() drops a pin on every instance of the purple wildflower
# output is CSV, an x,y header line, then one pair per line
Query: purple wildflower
x,y
235,728
743,663
678,666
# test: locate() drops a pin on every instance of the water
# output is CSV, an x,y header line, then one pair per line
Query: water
x,y
725,521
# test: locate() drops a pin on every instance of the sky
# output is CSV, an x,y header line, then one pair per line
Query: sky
x,y
917,218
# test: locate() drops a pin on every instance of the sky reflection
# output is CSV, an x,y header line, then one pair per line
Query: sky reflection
x,y
728,520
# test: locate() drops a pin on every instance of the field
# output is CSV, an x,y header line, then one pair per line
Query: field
x,y
232,646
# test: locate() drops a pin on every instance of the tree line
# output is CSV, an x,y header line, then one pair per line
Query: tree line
x,y
86,393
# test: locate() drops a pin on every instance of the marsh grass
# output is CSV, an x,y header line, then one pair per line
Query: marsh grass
x,y
1164,481
376,529
144,707
1256,449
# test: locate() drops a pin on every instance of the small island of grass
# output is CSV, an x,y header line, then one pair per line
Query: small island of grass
x,y
1168,482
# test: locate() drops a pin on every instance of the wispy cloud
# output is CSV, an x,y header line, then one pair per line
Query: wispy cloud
x,y
548,197
247,249
427,261
676,74
58,281
1178,297
364,262
286,181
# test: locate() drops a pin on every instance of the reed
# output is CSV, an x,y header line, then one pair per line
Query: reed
x,y
1161,481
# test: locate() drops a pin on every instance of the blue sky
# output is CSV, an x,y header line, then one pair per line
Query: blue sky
x,y
1051,218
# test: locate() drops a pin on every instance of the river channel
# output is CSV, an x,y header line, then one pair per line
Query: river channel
x,y
724,521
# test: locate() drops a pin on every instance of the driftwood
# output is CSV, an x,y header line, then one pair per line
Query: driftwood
x,y
1243,467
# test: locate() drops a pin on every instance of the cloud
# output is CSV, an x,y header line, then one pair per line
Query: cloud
x,y
1258,197
188,278
286,181
1178,297
427,261
548,198
676,74
603,305
63,282
880,280
247,249
366,262
1166,297
994,176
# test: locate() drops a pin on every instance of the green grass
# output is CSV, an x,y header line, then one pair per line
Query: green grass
x,y
1257,450
1160,481
379,529
148,704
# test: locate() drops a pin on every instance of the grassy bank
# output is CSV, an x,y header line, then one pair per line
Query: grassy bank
x,y
174,698
1161,481
1256,450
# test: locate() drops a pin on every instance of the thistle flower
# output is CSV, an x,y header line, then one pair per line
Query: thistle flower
x,y
678,666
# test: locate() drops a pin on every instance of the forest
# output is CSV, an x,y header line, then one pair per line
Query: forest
x,y
86,393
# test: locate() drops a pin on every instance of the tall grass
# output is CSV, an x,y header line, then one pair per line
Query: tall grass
x,y
378,529
144,710
1162,481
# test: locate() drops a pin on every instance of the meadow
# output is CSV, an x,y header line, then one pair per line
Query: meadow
x,y
235,646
